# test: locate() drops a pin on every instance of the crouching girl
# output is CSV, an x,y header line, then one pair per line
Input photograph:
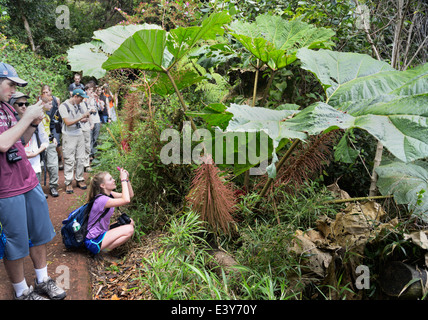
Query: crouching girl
x,y
100,236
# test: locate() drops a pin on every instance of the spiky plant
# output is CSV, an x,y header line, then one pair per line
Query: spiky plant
x,y
212,197
310,158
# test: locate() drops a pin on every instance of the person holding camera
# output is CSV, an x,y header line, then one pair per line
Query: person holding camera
x,y
102,236
24,212
39,142
73,142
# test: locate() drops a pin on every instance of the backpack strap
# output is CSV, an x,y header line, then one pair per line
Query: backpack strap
x,y
102,215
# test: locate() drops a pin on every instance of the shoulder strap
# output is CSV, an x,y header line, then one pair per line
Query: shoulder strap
x,y
54,102
67,106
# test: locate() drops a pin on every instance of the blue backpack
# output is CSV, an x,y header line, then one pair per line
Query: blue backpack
x,y
71,239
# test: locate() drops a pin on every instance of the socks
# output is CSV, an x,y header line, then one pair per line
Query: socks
x,y
41,274
20,288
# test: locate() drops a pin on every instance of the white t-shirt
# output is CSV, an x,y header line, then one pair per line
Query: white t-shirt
x,y
32,146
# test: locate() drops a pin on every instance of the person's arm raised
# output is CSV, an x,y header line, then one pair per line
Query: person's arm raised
x,y
24,128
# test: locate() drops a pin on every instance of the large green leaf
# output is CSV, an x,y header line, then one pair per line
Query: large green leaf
x,y
405,136
391,105
215,115
407,182
275,41
111,38
156,50
183,78
246,118
144,50
271,122
353,77
89,57
335,70
182,40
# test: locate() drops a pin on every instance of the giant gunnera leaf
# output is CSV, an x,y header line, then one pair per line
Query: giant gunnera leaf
x,y
408,182
391,105
89,57
275,41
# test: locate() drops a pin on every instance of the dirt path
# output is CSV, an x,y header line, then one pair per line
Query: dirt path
x,y
71,269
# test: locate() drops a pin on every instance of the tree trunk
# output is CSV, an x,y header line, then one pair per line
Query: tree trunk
x,y
29,34
403,281
394,63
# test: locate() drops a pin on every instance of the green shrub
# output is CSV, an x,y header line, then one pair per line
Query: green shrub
x,y
35,69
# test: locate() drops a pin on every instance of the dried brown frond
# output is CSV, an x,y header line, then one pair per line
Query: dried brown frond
x,y
211,197
132,110
307,160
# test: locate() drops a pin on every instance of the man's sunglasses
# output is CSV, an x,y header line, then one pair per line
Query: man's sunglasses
x,y
20,104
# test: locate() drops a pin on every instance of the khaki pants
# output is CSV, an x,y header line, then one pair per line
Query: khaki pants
x,y
87,139
52,165
73,150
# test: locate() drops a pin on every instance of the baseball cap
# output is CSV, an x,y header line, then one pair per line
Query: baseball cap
x,y
80,92
9,72
16,96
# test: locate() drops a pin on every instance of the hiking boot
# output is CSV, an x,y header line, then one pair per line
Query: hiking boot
x,y
81,184
50,288
29,294
69,189
54,192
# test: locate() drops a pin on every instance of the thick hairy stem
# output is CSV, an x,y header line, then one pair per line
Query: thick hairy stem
x,y
279,165
266,93
180,97
256,80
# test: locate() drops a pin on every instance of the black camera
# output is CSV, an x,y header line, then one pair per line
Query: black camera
x,y
12,155
123,219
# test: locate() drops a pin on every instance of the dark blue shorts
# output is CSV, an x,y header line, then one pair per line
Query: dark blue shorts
x,y
94,245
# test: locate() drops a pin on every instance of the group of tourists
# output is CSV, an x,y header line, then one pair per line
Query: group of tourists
x,y
40,136
66,139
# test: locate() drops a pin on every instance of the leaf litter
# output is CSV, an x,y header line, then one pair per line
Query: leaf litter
x,y
116,275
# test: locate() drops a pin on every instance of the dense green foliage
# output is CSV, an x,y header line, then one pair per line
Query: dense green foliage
x,y
244,65
36,70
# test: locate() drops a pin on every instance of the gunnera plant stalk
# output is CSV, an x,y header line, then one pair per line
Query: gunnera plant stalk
x,y
212,197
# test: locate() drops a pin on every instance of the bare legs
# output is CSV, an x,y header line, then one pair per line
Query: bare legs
x,y
117,236
15,268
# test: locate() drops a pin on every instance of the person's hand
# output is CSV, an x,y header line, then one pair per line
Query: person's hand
x,y
124,174
85,116
35,112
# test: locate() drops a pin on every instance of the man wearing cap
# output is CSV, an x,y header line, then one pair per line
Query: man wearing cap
x,y
24,212
73,143
39,142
